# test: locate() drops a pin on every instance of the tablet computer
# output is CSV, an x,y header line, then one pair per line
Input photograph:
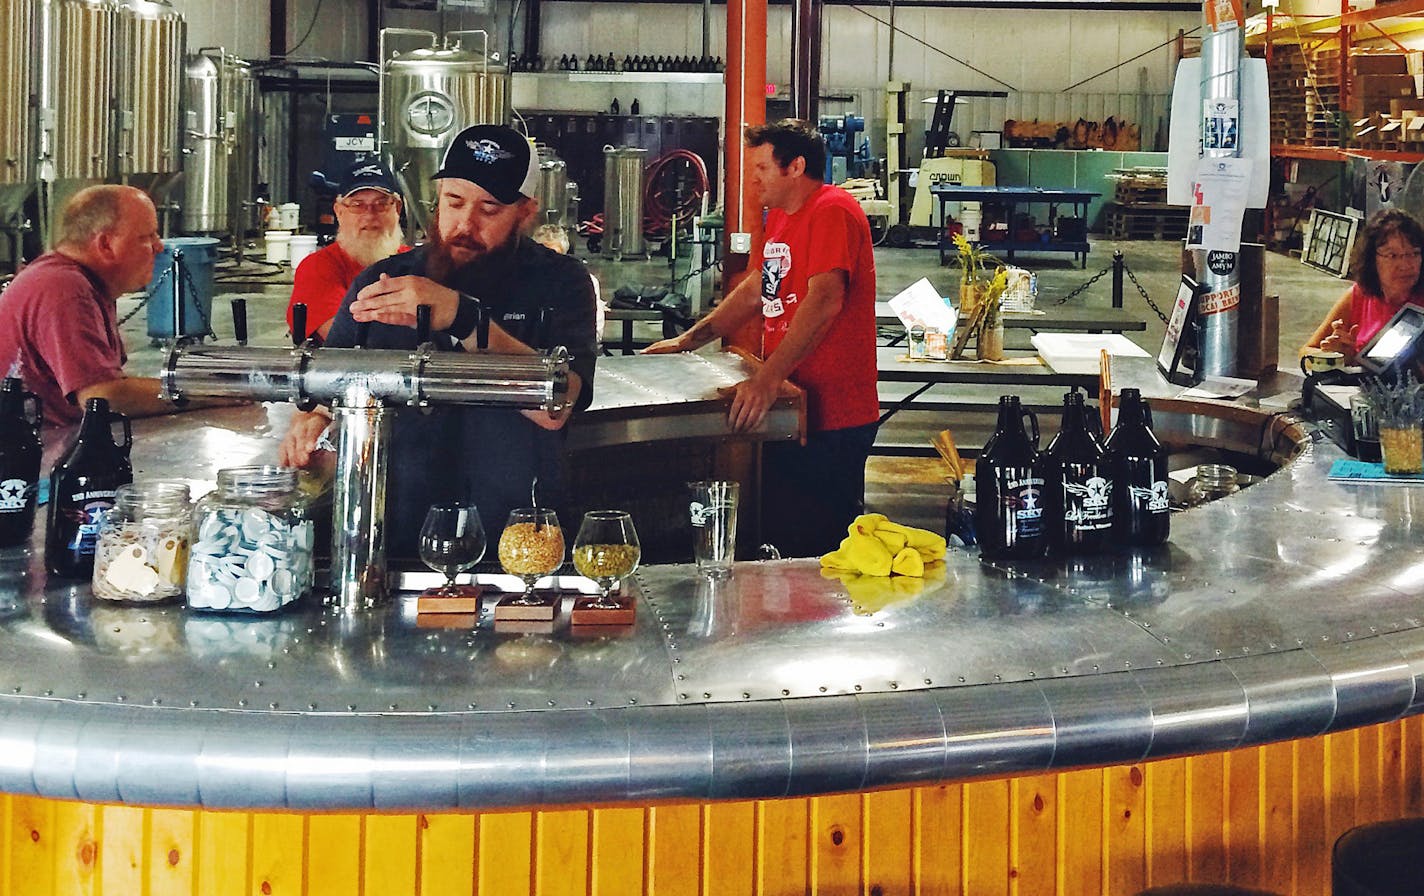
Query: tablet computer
x,y
1397,344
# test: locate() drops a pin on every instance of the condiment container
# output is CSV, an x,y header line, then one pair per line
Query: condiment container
x,y
142,551
252,548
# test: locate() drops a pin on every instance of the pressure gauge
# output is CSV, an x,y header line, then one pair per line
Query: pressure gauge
x,y
430,113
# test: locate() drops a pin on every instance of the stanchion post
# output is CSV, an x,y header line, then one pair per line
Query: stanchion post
x,y
1117,266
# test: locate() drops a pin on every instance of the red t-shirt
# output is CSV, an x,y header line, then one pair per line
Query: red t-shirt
x,y
59,331
829,232
321,281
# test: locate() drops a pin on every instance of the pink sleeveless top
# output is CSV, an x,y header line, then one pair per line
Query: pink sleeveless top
x,y
1373,312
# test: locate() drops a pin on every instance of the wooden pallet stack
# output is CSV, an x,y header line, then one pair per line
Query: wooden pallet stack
x,y
1287,78
1322,99
1139,210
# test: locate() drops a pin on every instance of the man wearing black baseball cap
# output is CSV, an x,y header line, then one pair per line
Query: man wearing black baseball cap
x,y
368,210
535,299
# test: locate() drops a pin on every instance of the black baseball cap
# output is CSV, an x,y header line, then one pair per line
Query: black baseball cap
x,y
495,157
367,175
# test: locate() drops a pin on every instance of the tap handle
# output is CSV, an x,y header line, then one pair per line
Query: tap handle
x,y
363,331
422,324
541,329
482,325
239,320
299,323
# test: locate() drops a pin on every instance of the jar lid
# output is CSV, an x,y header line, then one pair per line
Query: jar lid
x,y
257,480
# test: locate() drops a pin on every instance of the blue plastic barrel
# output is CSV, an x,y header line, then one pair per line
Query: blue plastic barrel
x,y
184,269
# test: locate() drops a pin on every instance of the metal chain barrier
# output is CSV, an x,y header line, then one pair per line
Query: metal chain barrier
x,y
1130,275
1142,292
1089,282
192,288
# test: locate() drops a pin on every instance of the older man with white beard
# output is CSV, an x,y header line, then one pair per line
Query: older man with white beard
x,y
368,210
534,298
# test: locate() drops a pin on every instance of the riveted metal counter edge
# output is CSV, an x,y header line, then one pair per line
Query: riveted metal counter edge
x,y
760,749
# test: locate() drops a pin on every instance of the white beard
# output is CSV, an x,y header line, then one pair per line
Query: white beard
x,y
367,249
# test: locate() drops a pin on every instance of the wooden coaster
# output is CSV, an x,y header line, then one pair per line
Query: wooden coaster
x,y
586,614
544,609
447,620
464,599
523,627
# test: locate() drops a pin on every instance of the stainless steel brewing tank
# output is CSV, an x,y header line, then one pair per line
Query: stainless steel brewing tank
x,y
429,95
151,38
76,89
17,159
623,201
553,188
220,143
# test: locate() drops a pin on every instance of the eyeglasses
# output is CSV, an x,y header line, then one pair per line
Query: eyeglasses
x,y
369,205
1400,256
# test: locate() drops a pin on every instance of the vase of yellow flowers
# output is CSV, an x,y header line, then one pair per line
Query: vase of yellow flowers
x,y
980,294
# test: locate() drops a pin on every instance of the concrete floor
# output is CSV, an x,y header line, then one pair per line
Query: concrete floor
x,y
907,489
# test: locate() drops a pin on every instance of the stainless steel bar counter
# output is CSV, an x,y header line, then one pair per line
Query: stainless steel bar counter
x,y
1286,611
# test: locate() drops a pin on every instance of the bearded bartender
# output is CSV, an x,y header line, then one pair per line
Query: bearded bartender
x,y
535,298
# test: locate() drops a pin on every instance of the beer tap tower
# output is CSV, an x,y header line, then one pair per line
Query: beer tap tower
x,y
362,386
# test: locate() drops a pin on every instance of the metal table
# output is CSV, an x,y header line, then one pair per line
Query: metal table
x,y
1011,198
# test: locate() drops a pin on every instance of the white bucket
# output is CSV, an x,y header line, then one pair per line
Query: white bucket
x,y
289,215
970,216
302,245
278,245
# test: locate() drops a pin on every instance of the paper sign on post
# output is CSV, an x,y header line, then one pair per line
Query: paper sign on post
x,y
1219,204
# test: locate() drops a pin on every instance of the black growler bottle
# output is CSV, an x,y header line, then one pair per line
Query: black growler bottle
x,y
1079,491
20,450
1137,464
81,490
1008,481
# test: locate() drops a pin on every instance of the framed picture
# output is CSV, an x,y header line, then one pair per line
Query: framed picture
x,y
1177,357
1328,241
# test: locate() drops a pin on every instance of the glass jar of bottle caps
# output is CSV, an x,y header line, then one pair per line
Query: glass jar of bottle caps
x,y
252,547
142,550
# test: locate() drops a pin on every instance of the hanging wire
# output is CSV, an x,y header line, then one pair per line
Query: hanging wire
x,y
316,14
930,46
1116,66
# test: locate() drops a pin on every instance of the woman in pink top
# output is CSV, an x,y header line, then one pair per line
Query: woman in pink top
x,y
1386,267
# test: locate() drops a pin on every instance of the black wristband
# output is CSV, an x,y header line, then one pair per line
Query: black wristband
x,y
467,316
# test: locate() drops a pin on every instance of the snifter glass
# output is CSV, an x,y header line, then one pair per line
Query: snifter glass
x,y
531,547
606,550
451,541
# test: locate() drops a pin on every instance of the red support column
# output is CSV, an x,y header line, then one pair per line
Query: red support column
x,y
746,105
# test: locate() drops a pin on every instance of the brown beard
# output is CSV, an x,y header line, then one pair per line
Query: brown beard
x,y
440,265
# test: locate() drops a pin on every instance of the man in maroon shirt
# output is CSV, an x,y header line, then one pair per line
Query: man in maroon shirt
x,y
368,210
58,318
816,301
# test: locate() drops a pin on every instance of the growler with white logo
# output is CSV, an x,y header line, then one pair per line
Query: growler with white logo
x,y
82,489
1138,465
1008,482
1079,505
20,418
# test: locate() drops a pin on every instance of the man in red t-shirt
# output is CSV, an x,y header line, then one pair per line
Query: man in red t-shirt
x,y
816,300
58,318
368,210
